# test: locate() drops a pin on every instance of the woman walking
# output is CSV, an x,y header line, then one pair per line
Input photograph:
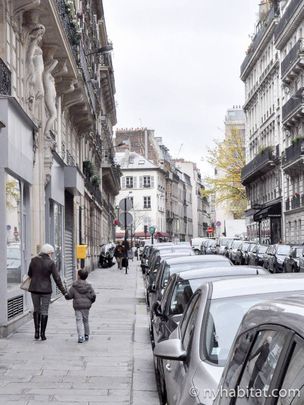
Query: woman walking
x,y
41,268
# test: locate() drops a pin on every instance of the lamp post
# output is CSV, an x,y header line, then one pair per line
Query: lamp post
x,y
258,207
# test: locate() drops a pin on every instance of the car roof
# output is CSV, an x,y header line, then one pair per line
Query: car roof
x,y
287,311
258,285
198,258
222,271
176,254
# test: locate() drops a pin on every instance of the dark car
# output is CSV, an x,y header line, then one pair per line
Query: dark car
x,y
235,251
228,248
268,255
256,255
267,356
171,265
277,257
242,254
292,262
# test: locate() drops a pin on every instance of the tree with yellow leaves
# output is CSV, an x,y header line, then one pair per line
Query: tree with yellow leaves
x,y
228,159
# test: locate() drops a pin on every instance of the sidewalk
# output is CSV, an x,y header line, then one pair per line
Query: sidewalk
x,y
114,367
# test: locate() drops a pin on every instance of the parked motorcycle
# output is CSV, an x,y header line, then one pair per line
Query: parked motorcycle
x,y
106,255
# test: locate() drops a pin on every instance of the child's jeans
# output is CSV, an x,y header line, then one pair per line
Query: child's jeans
x,y
82,322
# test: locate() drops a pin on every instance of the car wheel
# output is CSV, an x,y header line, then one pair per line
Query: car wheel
x,y
197,252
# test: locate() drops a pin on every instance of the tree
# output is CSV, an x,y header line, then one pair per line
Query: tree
x,y
228,159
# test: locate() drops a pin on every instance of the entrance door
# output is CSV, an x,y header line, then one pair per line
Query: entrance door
x,y
69,272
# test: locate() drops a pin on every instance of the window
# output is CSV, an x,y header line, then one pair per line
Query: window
x,y
147,181
260,366
147,202
129,182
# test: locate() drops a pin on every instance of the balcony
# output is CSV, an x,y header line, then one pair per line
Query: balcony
x,y
110,176
296,201
261,164
293,156
286,17
68,25
294,108
5,79
93,190
293,62
258,38
88,80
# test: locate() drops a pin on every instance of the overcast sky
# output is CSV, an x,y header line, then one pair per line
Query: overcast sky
x,y
177,65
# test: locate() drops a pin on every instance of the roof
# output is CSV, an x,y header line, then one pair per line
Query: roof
x,y
132,160
222,272
258,285
199,258
288,312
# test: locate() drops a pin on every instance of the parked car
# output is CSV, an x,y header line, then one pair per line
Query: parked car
x,y
267,355
196,244
221,245
277,257
197,350
228,247
242,254
168,312
292,261
208,247
267,256
171,266
235,251
256,255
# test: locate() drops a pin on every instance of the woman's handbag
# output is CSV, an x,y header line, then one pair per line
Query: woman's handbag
x,y
25,283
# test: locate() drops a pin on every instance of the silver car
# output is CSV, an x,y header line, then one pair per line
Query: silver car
x,y
195,354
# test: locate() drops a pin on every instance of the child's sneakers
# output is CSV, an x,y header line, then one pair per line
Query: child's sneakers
x,y
86,337
80,339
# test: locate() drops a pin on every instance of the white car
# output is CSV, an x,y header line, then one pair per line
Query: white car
x,y
196,352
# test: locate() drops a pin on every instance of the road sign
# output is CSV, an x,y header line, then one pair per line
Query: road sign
x,y
210,229
218,223
126,204
125,219
152,230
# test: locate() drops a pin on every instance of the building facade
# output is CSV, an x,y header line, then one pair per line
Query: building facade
x,y
144,183
57,110
260,72
289,41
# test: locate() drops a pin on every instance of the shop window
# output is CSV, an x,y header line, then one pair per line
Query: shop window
x,y
13,231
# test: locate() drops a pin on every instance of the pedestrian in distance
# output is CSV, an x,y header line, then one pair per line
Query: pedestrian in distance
x,y
83,296
41,268
119,254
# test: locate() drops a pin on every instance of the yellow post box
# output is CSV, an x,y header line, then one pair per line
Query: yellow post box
x,y
81,251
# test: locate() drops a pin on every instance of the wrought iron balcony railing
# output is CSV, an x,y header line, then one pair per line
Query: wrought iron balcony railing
x,y
87,78
261,164
293,152
293,105
5,79
292,57
289,12
93,189
69,26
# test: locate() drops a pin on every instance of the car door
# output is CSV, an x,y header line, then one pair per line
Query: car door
x,y
175,371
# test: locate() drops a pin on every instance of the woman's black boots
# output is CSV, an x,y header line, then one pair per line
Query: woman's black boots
x,y
36,316
44,319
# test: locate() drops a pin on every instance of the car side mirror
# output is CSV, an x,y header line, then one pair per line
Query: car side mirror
x,y
170,349
153,288
156,309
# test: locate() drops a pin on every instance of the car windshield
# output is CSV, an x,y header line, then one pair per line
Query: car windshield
x,y
13,253
262,249
283,250
224,242
224,318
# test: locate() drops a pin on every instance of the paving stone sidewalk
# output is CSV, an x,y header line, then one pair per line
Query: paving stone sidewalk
x,y
114,367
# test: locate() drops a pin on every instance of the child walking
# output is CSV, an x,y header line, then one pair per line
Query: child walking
x,y
83,296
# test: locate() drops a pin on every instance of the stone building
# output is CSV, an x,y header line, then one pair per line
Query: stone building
x,y
57,110
260,71
288,39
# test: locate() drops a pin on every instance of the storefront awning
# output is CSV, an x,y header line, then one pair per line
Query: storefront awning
x,y
273,211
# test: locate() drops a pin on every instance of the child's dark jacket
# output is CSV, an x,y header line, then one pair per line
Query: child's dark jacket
x,y
82,294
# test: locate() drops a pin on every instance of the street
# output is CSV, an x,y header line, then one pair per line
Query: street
x,y
114,367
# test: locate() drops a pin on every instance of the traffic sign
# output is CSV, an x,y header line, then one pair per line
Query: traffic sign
x,y
152,230
210,229
218,223
125,219
126,204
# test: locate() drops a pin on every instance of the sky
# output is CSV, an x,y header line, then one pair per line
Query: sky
x,y
177,66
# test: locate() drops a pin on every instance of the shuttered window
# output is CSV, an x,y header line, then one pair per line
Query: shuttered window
x,y
147,202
